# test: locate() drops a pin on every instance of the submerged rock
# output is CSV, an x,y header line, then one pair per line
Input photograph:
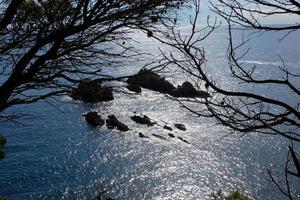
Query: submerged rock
x,y
168,128
94,119
159,137
141,135
188,90
183,140
150,80
134,88
112,122
180,127
142,120
92,92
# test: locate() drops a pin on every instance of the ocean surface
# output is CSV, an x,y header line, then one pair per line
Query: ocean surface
x,y
54,154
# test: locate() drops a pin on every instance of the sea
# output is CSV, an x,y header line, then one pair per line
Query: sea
x,y
54,154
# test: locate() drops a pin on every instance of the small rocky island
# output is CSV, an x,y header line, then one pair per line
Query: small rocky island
x,y
93,91
152,81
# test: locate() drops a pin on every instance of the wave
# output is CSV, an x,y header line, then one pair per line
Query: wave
x,y
257,62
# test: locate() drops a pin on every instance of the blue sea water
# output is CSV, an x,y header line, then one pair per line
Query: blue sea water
x,y
55,155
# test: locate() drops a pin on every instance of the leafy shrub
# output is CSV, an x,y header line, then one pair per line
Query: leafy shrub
x,y
234,195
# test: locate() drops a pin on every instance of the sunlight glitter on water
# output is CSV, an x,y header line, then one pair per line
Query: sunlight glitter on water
x,y
60,157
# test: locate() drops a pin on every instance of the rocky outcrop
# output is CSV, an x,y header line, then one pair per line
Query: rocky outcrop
x,y
92,92
134,88
112,122
187,90
94,119
142,120
180,127
150,80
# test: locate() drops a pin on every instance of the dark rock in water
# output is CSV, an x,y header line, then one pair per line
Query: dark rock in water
x,y
92,92
171,135
141,135
180,127
183,140
150,80
113,122
2,140
158,136
188,90
142,120
168,128
94,119
134,88
2,154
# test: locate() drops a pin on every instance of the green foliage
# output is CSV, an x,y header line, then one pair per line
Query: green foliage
x,y
45,11
234,195
38,6
2,198
30,6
